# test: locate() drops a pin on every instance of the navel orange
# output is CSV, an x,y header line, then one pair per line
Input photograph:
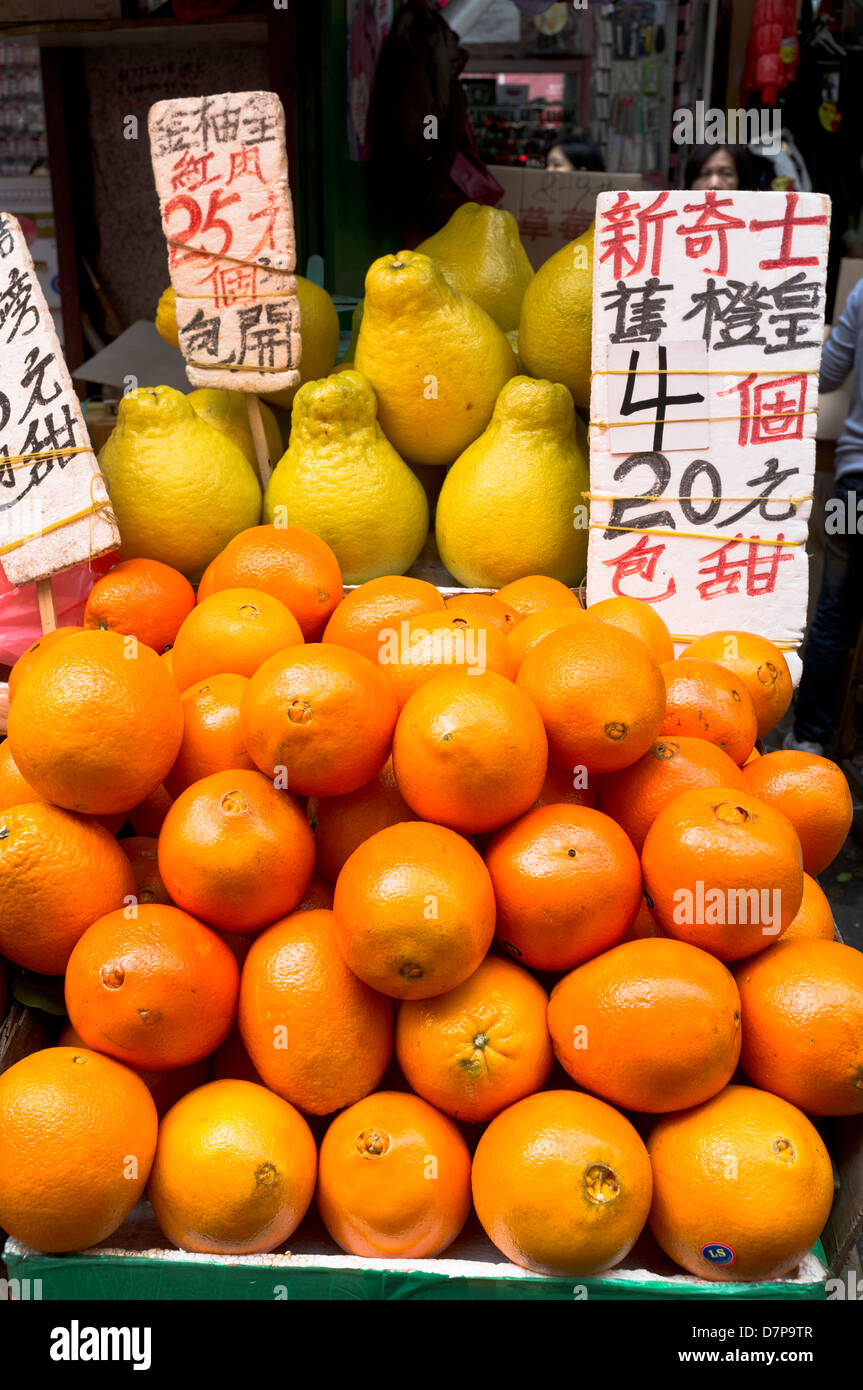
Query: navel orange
x,y
158,990
813,793
756,661
58,873
234,630
341,823
479,1047
142,852
562,1184
486,606
377,604
651,1025
77,1137
414,910
600,693
638,618
635,795
316,1034
742,1186
429,644
803,1025
36,649
322,716
536,591
469,751
294,566
535,627
212,737
98,723
814,920
234,1172
141,598
704,700
235,851
567,883
393,1178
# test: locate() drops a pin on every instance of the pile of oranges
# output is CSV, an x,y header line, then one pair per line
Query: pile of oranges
x,y
429,904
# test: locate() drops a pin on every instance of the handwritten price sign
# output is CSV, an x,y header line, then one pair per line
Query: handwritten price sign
x,y
54,509
708,314
221,173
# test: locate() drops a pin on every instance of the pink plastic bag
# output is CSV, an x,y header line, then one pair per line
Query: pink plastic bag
x,y
19,611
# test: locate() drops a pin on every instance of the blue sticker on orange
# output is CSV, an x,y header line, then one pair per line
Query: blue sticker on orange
x,y
718,1254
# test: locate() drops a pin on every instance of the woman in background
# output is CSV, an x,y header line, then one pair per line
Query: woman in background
x,y
575,152
726,167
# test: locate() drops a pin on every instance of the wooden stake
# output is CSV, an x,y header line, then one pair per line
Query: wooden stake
x,y
47,610
259,437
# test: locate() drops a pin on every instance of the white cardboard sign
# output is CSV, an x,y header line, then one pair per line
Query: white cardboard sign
x,y
221,172
54,512
708,309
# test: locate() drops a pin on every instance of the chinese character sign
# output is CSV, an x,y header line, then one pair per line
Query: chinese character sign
x,y
708,317
221,173
54,509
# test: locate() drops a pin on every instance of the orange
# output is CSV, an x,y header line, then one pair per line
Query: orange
x,y
536,591
36,649
234,630
234,1172
212,738
316,1034
723,871
320,714
294,566
485,606
77,1137
377,604
638,618
562,786
156,991
814,920
98,723
813,793
342,822
742,1186
803,1025
644,925
235,851
414,910
393,1178
479,1047
567,884
756,661
168,658
635,795
142,853
414,650
13,788
318,894
704,700
469,751
58,873
143,599
562,1184
535,627
600,693
165,1087
149,817
752,756
652,1025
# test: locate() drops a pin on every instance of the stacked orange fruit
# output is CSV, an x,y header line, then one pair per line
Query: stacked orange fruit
x,y
391,855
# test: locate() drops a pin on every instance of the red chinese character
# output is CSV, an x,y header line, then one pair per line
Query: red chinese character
x,y
270,211
788,223
759,570
645,227
773,411
710,223
533,222
573,222
640,559
246,161
190,172
232,282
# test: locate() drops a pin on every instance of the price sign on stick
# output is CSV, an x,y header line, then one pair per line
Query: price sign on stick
x,y
54,507
708,310
221,172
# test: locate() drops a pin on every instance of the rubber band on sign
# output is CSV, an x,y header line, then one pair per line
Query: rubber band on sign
x,y
702,419
696,636
663,497
234,260
16,461
233,367
692,535
57,526
701,371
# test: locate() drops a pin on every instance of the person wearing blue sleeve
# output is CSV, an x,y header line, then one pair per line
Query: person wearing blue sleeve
x,y
839,611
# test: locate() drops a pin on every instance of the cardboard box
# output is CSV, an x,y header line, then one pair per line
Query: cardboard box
x,y
553,208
